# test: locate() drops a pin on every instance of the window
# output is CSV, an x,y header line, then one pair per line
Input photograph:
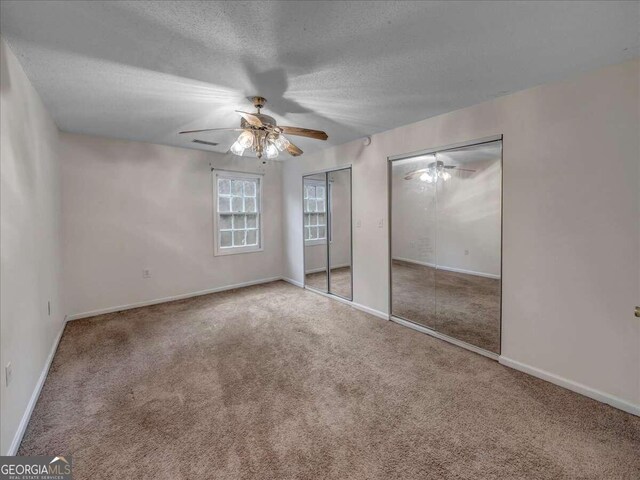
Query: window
x,y
315,212
237,213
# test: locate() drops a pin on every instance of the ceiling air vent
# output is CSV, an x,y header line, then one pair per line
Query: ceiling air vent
x,y
202,142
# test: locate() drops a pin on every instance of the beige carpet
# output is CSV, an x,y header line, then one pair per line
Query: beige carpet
x,y
276,382
463,306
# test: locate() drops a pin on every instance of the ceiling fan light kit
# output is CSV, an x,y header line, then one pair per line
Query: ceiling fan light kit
x,y
260,134
435,171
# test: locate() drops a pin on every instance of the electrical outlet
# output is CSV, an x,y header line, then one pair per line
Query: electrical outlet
x,y
8,373
358,223
146,273
466,252
381,223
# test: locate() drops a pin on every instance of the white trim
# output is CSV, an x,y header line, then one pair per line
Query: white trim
x,y
416,262
315,241
26,416
324,269
357,306
234,172
369,310
598,395
102,311
316,270
219,251
449,269
446,338
452,146
293,282
328,170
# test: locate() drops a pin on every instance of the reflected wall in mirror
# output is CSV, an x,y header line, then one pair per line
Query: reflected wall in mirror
x,y
413,227
340,279
446,222
315,221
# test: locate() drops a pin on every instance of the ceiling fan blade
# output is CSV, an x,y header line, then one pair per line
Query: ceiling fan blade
x,y
458,168
212,130
293,150
304,132
250,118
410,175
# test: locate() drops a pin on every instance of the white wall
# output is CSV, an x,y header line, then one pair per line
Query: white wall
x,y
30,243
571,208
130,206
464,233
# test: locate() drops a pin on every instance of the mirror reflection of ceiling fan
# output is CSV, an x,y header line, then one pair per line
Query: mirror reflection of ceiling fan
x,y
261,134
435,171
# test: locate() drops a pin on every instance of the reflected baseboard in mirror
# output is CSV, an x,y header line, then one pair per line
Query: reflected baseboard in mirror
x,y
317,280
340,281
445,237
476,321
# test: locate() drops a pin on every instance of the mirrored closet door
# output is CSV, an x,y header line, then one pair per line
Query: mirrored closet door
x,y
445,234
327,232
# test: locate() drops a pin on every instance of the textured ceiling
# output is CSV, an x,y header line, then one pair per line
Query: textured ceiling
x,y
146,70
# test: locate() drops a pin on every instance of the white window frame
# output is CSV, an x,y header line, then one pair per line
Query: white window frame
x,y
327,192
218,249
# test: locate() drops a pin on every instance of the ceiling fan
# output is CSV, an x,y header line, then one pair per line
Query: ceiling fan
x,y
434,171
261,134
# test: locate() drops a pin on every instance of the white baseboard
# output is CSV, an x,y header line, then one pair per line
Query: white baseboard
x,y
449,269
26,416
446,338
573,386
416,262
324,269
536,372
120,308
293,282
315,270
371,311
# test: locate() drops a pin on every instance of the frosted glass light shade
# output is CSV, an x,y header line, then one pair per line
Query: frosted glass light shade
x,y
245,139
237,148
271,151
281,142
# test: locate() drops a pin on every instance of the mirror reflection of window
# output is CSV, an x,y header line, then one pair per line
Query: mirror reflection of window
x,y
315,217
315,211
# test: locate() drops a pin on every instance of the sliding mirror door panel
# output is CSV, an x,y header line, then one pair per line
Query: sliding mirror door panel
x,y
413,242
315,221
468,253
340,274
446,231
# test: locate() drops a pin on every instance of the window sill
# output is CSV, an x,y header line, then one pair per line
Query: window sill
x,y
221,252
311,243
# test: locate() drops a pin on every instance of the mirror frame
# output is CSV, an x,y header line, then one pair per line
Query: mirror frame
x,y
326,173
416,326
